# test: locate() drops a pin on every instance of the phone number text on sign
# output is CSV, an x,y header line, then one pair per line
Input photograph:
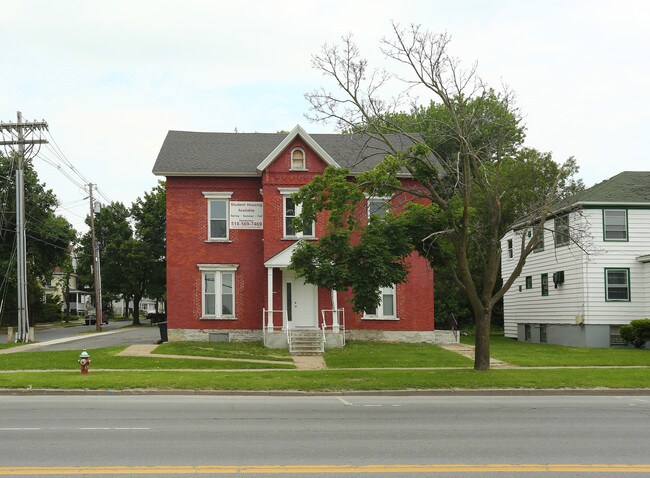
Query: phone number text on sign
x,y
246,215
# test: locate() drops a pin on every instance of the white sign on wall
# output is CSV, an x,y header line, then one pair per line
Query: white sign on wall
x,y
246,215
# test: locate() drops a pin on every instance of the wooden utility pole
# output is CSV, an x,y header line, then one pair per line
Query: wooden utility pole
x,y
19,130
96,274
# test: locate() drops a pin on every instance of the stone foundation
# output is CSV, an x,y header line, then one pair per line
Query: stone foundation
x,y
432,337
204,335
278,339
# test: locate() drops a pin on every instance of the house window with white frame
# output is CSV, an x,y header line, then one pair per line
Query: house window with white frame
x,y
291,211
615,224
386,310
617,285
218,292
298,160
218,215
378,207
510,249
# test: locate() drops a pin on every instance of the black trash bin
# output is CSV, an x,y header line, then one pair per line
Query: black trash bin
x,y
162,326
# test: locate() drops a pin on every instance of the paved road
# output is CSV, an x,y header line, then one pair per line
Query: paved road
x,y
285,435
81,336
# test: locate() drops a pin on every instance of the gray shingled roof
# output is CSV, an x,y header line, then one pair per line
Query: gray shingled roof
x,y
214,154
625,187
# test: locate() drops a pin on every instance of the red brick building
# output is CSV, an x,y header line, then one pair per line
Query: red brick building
x,y
230,238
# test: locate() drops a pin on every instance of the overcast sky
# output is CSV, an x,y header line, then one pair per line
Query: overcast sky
x,y
112,77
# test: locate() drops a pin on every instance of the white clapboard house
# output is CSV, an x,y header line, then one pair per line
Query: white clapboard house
x,y
591,274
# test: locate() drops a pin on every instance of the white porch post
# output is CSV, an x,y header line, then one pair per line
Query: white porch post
x,y
335,312
270,298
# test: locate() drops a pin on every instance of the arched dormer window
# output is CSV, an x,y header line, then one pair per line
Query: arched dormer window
x,y
298,160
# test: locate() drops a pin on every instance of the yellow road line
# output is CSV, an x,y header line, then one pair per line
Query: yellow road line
x,y
308,469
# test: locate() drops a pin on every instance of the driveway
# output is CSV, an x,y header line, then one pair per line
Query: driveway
x,y
82,336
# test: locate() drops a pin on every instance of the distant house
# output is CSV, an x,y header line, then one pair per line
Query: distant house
x,y
580,293
230,239
77,298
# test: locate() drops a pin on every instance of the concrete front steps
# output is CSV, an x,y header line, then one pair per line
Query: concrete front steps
x,y
306,341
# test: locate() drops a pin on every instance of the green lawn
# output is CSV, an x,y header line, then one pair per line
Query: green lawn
x,y
107,359
386,355
60,370
526,354
255,350
333,380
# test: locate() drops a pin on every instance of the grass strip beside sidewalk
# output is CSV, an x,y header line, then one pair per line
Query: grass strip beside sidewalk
x,y
333,380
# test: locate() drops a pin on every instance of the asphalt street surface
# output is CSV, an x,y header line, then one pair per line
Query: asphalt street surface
x,y
321,436
85,338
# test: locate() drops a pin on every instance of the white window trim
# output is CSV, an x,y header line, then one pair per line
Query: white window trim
x,y
304,160
386,199
380,309
219,195
217,268
286,192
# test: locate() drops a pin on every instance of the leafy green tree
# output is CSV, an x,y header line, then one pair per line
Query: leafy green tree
x,y
132,258
48,236
150,216
461,159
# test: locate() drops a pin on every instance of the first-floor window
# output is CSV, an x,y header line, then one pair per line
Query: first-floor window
x,y
544,279
218,290
386,307
617,285
529,282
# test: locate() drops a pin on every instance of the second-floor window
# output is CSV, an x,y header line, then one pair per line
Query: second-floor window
x,y
510,249
561,230
615,224
218,215
291,211
218,219
378,207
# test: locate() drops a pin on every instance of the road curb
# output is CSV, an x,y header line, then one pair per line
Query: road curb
x,y
497,392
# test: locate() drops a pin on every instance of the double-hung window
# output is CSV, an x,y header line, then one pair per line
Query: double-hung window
x,y
218,291
378,207
218,215
617,285
291,211
615,224
386,307
561,230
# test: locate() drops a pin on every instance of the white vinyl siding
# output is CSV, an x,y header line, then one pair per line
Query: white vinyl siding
x,y
583,293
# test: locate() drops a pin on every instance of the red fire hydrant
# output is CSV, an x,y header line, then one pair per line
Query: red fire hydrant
x,y
84,361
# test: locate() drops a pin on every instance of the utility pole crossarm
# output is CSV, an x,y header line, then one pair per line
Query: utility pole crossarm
x,y
23,142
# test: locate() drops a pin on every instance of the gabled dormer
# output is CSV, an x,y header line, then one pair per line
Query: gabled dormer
x,y
298,152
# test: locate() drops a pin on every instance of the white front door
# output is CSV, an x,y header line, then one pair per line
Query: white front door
x,y
300,301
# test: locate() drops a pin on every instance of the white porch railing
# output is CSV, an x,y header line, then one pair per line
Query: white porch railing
x,y
336,323
268,324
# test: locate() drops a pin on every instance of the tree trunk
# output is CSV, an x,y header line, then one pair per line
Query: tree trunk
x,y
136,310
482,321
